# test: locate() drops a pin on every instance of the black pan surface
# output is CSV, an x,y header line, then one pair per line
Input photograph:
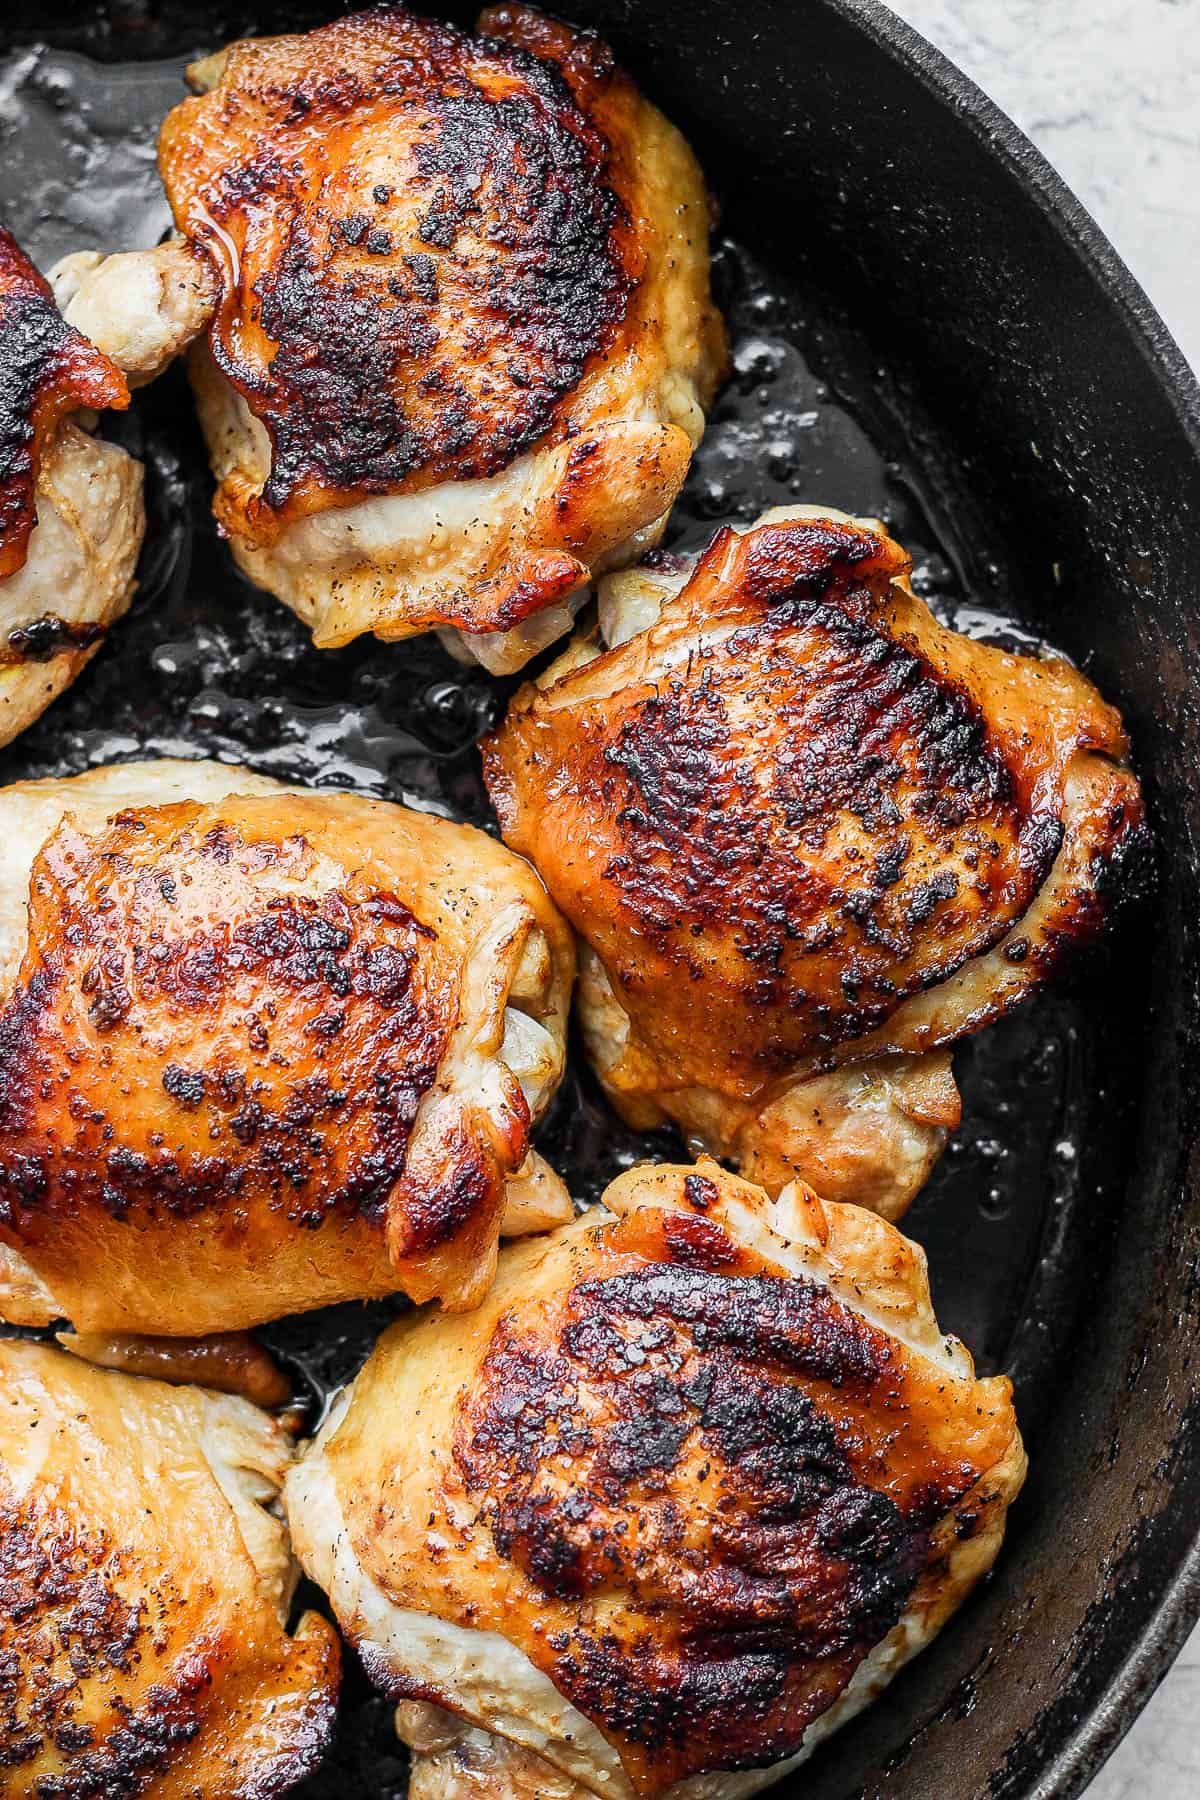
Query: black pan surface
x,y
925,328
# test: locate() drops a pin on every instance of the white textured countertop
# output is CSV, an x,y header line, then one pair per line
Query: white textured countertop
x,y
1109,91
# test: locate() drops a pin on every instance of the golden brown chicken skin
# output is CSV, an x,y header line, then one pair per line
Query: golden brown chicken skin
x,y
684,1478
810,837
423,328
71,517
144,1591
260,1049
460,339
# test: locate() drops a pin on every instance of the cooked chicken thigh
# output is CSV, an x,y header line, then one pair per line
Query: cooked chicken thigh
x,y
145,1586
810,837
262,1049
679,1498
71,516
462,340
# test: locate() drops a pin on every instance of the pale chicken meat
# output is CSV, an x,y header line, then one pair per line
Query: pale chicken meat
x,y
262,1050
675,1502
453,1760
459,337
145,1585
809,838
144,306
71,515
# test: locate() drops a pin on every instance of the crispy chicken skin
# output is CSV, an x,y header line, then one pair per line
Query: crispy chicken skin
x,y
462,340
145,1588
71,517
810,837
261,1050
679,1498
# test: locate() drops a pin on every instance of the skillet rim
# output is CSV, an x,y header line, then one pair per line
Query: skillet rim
x,y
1060,207
1067,1768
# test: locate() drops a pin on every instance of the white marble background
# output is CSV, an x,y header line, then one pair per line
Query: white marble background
x,y
1109,91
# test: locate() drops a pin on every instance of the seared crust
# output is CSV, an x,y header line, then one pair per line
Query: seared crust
x,y
770,1407
393,333
71,515
799,823
252,1056
468,265
142,1648
696,1465
796,800
49,370
138,933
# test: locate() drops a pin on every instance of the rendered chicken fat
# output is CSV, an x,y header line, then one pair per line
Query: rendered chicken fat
x,y
672,1504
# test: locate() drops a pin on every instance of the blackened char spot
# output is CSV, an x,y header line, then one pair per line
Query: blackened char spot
x,y
699,1191
793,1323
184,1085
805,793
664,1442
435,338
47,637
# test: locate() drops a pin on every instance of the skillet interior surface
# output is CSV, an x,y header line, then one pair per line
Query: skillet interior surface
x,y
925,331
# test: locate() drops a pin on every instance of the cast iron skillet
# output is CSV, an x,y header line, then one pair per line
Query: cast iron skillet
x,y
927,326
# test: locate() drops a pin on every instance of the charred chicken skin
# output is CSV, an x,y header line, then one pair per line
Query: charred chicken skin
x,y
261,1050
809,837
460,339
145,1590
71,517
677,1500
